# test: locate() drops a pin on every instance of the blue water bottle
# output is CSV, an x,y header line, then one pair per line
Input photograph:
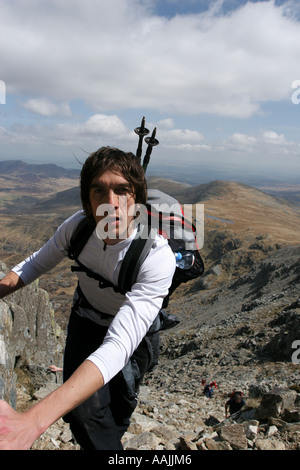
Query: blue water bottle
x,y
184,259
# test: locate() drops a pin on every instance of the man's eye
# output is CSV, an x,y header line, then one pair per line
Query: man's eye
x,y
123,190
98,190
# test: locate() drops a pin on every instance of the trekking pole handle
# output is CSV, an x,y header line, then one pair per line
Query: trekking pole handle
x,y
141,131
152,142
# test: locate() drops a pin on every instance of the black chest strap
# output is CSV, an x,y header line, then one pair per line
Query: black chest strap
x,y
103,283
135,256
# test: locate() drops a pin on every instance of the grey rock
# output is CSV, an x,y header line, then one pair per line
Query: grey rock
x,y
275,402
235,435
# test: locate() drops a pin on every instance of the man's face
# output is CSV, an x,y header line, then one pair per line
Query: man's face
x,y
111,198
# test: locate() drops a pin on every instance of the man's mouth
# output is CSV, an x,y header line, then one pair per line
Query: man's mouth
x,y
111,222
112,219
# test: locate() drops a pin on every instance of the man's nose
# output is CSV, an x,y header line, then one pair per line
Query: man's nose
x,y
113,198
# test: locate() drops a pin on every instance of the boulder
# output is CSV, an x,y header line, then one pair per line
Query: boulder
x,y
275,402
235,435
267,444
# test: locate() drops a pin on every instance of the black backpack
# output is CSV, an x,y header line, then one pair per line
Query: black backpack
x,y
170,222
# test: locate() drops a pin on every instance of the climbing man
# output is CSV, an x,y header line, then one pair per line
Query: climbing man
x,y
109,344
234,404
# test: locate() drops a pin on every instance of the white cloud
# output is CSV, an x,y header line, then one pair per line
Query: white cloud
x,y
45,107
97,130
267,145
117,55
167,123
100,124
272,137
242,139
189,147
183,135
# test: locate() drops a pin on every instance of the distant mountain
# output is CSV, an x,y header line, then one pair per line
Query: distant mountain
x,y
167,185
188,194
62,200
26,171
240,208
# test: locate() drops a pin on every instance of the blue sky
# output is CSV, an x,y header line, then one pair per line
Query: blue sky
x,y
220,80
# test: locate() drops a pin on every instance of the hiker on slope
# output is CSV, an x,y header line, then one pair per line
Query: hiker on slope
x,y
107,351
234,404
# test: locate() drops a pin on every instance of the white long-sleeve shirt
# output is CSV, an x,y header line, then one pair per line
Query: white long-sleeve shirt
x,y
133,314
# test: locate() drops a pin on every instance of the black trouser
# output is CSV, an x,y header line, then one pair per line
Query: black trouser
x,y
100,422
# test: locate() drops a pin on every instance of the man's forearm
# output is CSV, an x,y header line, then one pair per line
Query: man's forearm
x,y
85,381
9,284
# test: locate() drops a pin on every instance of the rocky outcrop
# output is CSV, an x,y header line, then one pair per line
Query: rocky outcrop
x,y
288,336
30,339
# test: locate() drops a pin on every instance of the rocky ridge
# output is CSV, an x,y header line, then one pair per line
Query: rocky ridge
x,y
30,339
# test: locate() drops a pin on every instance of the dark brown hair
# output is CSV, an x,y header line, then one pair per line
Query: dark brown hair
x,y
113,159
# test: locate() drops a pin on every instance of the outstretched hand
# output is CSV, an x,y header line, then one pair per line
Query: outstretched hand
x,y
18,431
15,434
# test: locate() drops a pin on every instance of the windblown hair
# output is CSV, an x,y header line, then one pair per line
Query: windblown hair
x,y
117,161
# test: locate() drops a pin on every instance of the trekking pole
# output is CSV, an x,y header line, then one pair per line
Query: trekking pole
x,y
141,132
152,142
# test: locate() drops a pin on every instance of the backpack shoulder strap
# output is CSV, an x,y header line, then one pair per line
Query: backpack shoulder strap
x,y
82,233
79,238
134,258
